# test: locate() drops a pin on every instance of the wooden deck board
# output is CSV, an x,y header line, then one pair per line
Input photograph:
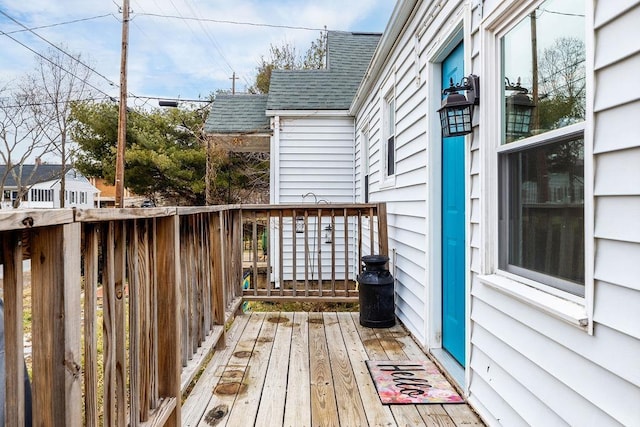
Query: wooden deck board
x,y
248,398
308,369
377,415
298,405
194,407
324,410
231,375
381,345
275,385
350,408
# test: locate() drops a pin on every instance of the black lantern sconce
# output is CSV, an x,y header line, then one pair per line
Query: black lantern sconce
x,y
328,234
457,110
299,224
519,109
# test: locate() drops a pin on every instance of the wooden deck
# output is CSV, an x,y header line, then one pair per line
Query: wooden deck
x,y
307,369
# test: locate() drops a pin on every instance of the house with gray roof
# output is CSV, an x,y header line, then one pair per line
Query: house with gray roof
x,y
303,122
305,125
38,186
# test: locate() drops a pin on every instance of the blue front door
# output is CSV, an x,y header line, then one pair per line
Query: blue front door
x,y
453,227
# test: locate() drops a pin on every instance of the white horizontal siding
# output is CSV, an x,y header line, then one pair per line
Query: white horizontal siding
x,y
617,187
609,94
555,363
617,307
491,406
612,128
617,172
608,11
316,154
626,211
618,39
316,164
618,262
505,369
406,198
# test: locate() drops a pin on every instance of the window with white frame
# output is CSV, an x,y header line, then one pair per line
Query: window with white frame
x,y
541,157
389,134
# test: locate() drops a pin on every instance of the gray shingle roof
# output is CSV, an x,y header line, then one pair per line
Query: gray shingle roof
x,y
311,90
348,55
333,88
43,173
241,113
351,52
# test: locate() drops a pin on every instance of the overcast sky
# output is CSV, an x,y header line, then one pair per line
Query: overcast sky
x,y
176,49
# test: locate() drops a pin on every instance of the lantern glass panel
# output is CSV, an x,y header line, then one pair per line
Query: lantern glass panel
x,y
518,119
455,121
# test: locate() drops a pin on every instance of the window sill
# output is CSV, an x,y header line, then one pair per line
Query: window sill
x,y
388,182
560,308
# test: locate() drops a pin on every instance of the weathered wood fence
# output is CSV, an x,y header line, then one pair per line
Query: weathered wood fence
x,y
127,303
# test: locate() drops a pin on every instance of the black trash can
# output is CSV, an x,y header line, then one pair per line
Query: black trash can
x,y
376,294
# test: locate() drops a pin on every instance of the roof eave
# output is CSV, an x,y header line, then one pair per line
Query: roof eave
x,y
401,14
306,113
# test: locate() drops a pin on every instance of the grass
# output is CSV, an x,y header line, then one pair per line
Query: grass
x,y
263,306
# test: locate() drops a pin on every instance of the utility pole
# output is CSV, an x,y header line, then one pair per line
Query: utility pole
x,y
233,85
122,117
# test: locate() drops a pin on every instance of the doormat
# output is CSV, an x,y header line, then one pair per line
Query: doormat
x,y
411,382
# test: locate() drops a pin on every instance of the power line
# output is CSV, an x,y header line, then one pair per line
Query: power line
x,y
54,64
60,23
222,21
210,36
59,49
39,104
215,43
214,64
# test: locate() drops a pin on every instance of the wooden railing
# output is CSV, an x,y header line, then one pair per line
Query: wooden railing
x,y
126,304
309,252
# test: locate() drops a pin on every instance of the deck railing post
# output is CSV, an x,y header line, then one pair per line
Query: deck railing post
x,y
169,331
57,374
13,330
383,236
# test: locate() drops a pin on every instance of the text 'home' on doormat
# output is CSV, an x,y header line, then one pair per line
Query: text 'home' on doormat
x,y
411,382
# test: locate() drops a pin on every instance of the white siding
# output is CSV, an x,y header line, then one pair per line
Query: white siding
x,y
315,164
528,368
316,155
407,197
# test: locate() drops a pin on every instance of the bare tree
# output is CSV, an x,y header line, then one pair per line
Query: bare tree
x,y
21,139
58,80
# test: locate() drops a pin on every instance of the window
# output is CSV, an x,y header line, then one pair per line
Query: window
x,y
364,162
541,161
390,129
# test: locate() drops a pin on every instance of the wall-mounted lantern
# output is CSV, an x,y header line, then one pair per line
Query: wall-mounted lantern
x,y
519,109
299,224
328,234
457,110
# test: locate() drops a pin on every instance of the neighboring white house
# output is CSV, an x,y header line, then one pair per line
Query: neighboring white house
x,y
38,186
516,251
